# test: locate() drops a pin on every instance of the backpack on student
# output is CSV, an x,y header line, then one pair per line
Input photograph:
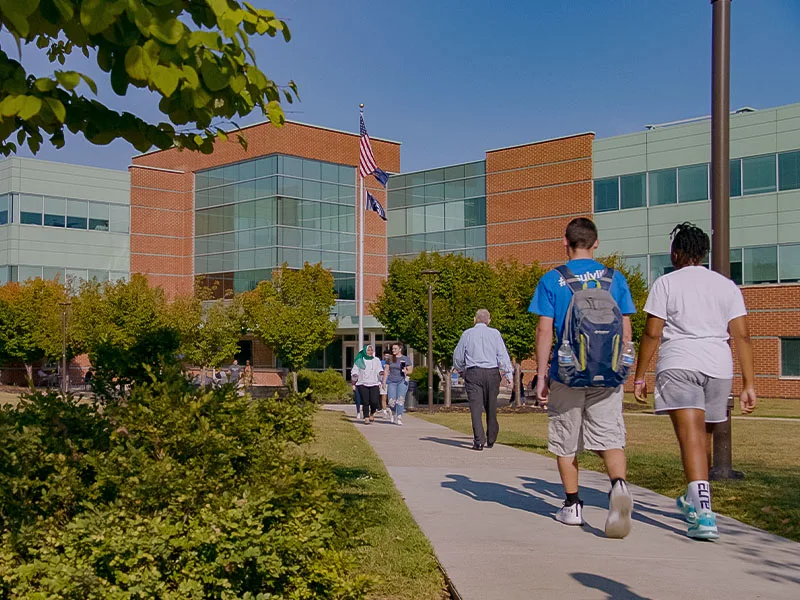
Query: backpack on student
x,y
593,331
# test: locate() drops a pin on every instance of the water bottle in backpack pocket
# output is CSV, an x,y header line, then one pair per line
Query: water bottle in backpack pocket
x,y
592,335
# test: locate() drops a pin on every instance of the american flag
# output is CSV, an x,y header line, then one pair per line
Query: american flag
x,y
367,162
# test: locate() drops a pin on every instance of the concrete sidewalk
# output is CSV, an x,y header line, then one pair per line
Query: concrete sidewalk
x,y
489,516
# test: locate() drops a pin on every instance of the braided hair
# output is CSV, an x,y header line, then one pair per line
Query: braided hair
x,y
690,245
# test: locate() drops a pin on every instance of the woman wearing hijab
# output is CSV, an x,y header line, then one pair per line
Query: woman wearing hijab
x,y
367,371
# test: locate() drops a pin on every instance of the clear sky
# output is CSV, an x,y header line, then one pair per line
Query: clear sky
x,y
451,79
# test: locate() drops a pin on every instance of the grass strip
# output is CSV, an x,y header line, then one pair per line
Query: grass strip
x,y
394,549
766,451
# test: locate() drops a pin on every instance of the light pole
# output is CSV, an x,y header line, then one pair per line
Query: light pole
x,y
431,272
64,373
720,193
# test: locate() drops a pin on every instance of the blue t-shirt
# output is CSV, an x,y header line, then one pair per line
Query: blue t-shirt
x,y
552,297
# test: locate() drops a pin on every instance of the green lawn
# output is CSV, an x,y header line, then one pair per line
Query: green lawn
x,y
767,451
394,549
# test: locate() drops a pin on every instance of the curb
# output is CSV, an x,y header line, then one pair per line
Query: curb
x,y
451,587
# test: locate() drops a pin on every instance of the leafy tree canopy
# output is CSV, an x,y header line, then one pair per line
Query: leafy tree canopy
x,y
290,313
195,56
516,284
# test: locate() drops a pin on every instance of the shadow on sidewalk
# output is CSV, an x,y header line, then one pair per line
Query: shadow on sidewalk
x,y
447,442
614,589
598,499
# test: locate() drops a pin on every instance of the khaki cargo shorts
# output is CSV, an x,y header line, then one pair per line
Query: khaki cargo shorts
x,y
584,419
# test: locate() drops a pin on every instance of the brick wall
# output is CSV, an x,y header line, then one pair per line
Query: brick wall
x,y
532,192
162,218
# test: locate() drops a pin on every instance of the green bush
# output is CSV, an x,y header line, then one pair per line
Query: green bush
x,y
176,493
420,375
325,387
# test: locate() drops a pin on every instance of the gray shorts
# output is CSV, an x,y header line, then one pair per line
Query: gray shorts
x,y
584,419
682,388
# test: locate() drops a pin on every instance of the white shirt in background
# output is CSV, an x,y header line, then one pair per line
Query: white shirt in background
x,y
696,305
370,375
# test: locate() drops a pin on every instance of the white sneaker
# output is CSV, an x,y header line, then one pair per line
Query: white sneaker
x,y
391,416
571,515
399,420
360,414
620,507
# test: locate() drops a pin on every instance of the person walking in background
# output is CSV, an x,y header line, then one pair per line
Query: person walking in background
x,y
482,357
395,378
235,371
693,312
247,376
387,356
585,377
367,372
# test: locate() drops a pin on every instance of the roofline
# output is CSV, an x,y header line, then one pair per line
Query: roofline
x,y
267,121
554,139
57,162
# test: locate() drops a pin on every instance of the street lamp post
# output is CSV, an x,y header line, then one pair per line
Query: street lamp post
x,y
720,193
430,272
64,373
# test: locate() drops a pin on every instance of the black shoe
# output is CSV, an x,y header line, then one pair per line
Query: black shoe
x,y
490,445
477,446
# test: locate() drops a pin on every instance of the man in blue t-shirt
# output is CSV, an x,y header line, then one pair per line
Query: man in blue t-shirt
x,y
581,418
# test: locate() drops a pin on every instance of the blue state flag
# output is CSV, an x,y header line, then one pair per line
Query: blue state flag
x,y
373,204
381,176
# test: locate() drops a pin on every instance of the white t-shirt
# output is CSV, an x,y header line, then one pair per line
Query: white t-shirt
x,y
696,305
370,375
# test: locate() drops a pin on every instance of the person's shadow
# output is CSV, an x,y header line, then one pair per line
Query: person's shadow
x,y
487,491
446,442
614,589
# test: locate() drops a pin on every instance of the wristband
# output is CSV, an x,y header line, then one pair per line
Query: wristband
x,y
639,382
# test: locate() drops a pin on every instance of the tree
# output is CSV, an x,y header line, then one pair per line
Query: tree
x,y
30,322
291,313
516,284
637,282
209,329
195,56
125,329
461,287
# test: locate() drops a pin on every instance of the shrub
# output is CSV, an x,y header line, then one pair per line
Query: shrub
x,y
176,493
325,386
420,375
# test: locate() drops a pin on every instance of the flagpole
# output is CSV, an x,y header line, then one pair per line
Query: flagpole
x,y
360,203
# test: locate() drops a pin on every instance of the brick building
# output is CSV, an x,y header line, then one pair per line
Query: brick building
x,y
290,197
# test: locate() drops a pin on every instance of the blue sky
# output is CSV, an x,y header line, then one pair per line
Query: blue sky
x,y
452,79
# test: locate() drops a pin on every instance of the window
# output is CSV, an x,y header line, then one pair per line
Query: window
x,y
98,275
475,212
433,193
77,214
633,191
4,208
396,223
475,187
476,168
663,187
24,273
789,170
54,209
637,262
288,212
454,216
120,217
434,217
789,263
415,219
761,265
660,264
98,216
736,265
693,183
790,357
736,177
606,194
454,190
289,165
290,187
30,211
758,174
434,175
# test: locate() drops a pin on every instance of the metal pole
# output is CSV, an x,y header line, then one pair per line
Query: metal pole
x,y
64,374
720,191
430,347
360,203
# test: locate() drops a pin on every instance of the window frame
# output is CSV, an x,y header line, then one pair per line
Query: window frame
x,y
781,355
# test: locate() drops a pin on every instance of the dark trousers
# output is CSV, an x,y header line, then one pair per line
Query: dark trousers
x,y
482,387
370,399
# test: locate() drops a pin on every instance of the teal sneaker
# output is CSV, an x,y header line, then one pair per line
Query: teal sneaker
x,y
687,509
705,527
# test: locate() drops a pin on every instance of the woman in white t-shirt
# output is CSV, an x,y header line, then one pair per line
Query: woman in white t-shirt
x,y
693,312
367,371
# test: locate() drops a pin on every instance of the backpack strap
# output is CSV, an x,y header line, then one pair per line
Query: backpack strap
x,y
607,279
575,284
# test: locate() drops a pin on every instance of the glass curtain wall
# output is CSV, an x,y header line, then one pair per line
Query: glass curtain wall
x,y
253,216
439,210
